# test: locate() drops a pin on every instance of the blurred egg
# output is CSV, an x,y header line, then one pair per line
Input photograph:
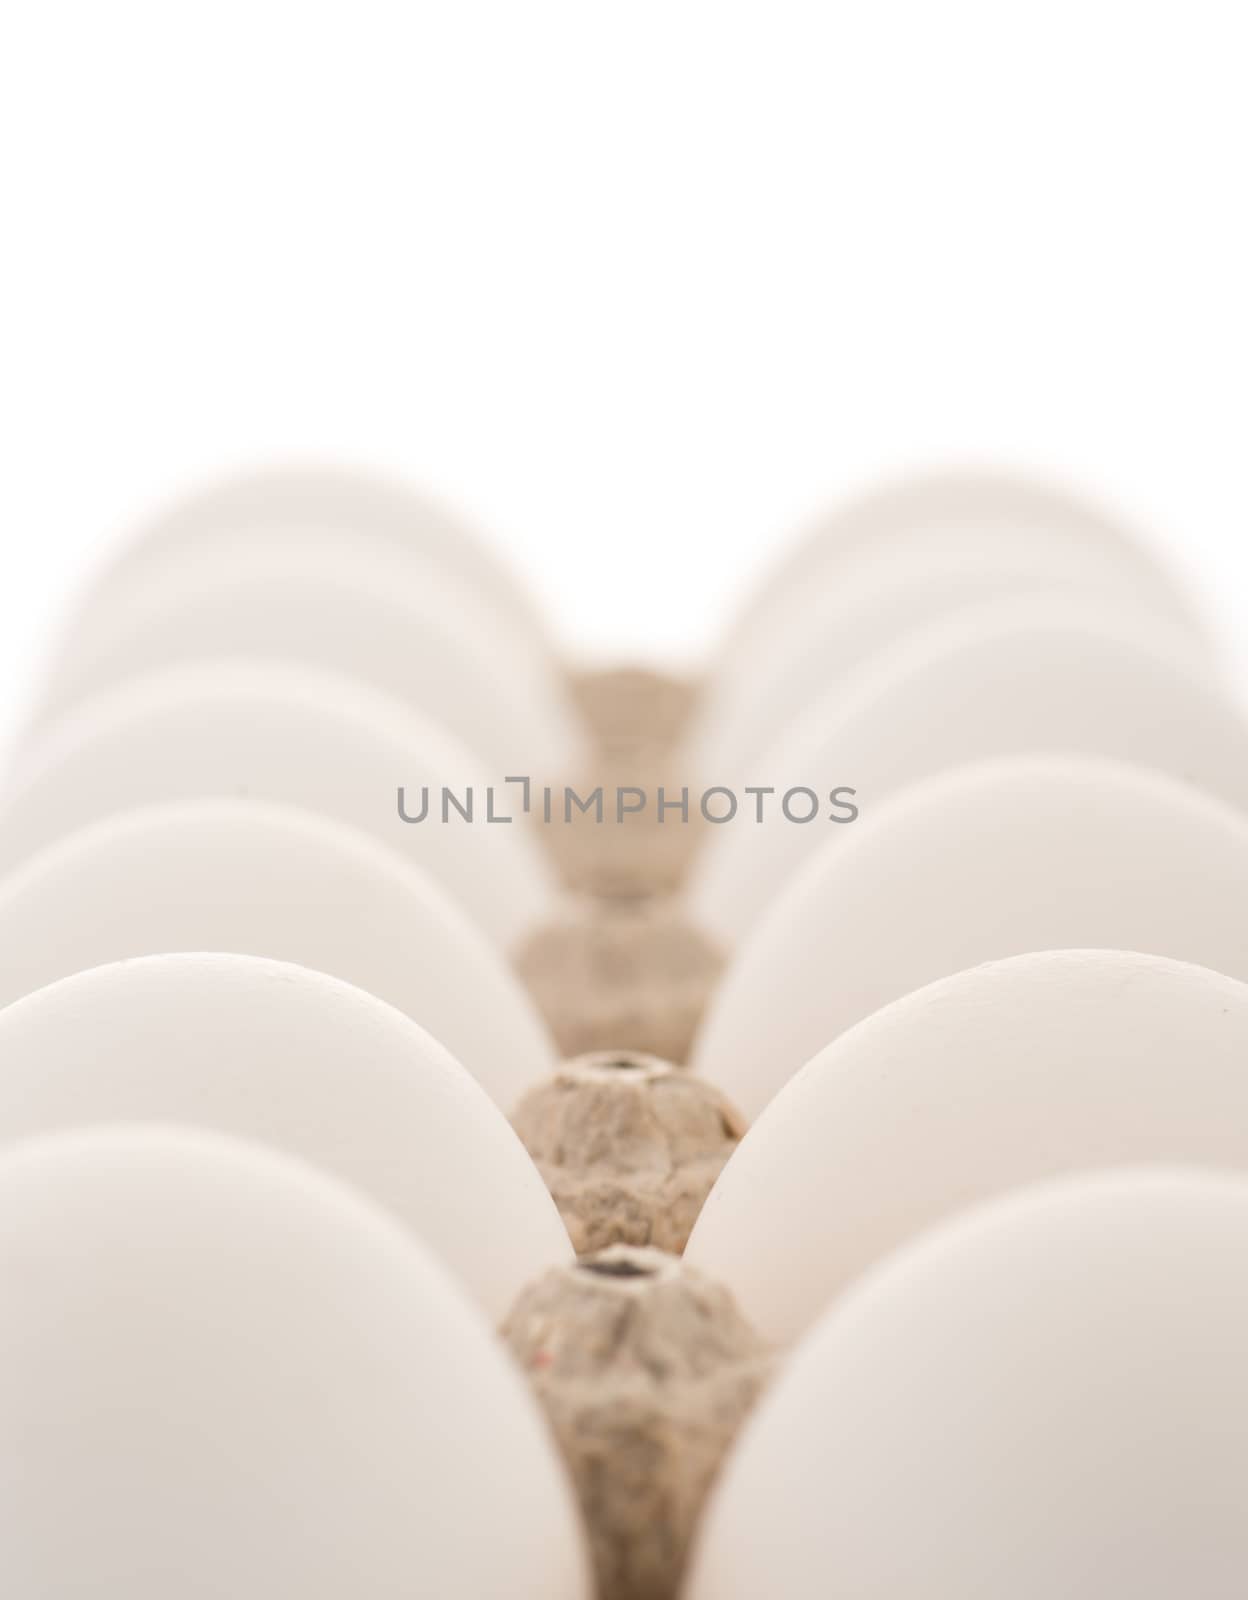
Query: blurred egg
x,y
1031,676
294,735
1002,1076
412,636
1044,1399
821,650
315,507
246,878
223,1374
990,861
989,517
302,1062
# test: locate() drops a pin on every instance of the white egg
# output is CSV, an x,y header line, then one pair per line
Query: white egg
x,y
246,878
305,1063
223,1374
821,649
294,735
342,608
314,507
1031,676
1044,1399
990,861
1002,1076
987,517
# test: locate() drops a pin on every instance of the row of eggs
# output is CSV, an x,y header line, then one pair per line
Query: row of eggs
x,y
307,1370
224,1369
950,621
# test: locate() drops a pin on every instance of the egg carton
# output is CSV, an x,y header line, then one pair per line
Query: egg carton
x,y
476,1127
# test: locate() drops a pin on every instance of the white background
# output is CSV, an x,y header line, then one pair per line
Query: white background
x,y
639,287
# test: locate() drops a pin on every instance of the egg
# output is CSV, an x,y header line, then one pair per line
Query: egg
x,y
841,629
224,1374
293,735
1032,676
1006,1075
989,861
986,518
246,878
300,1061
1044,1398
406,633
315,507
